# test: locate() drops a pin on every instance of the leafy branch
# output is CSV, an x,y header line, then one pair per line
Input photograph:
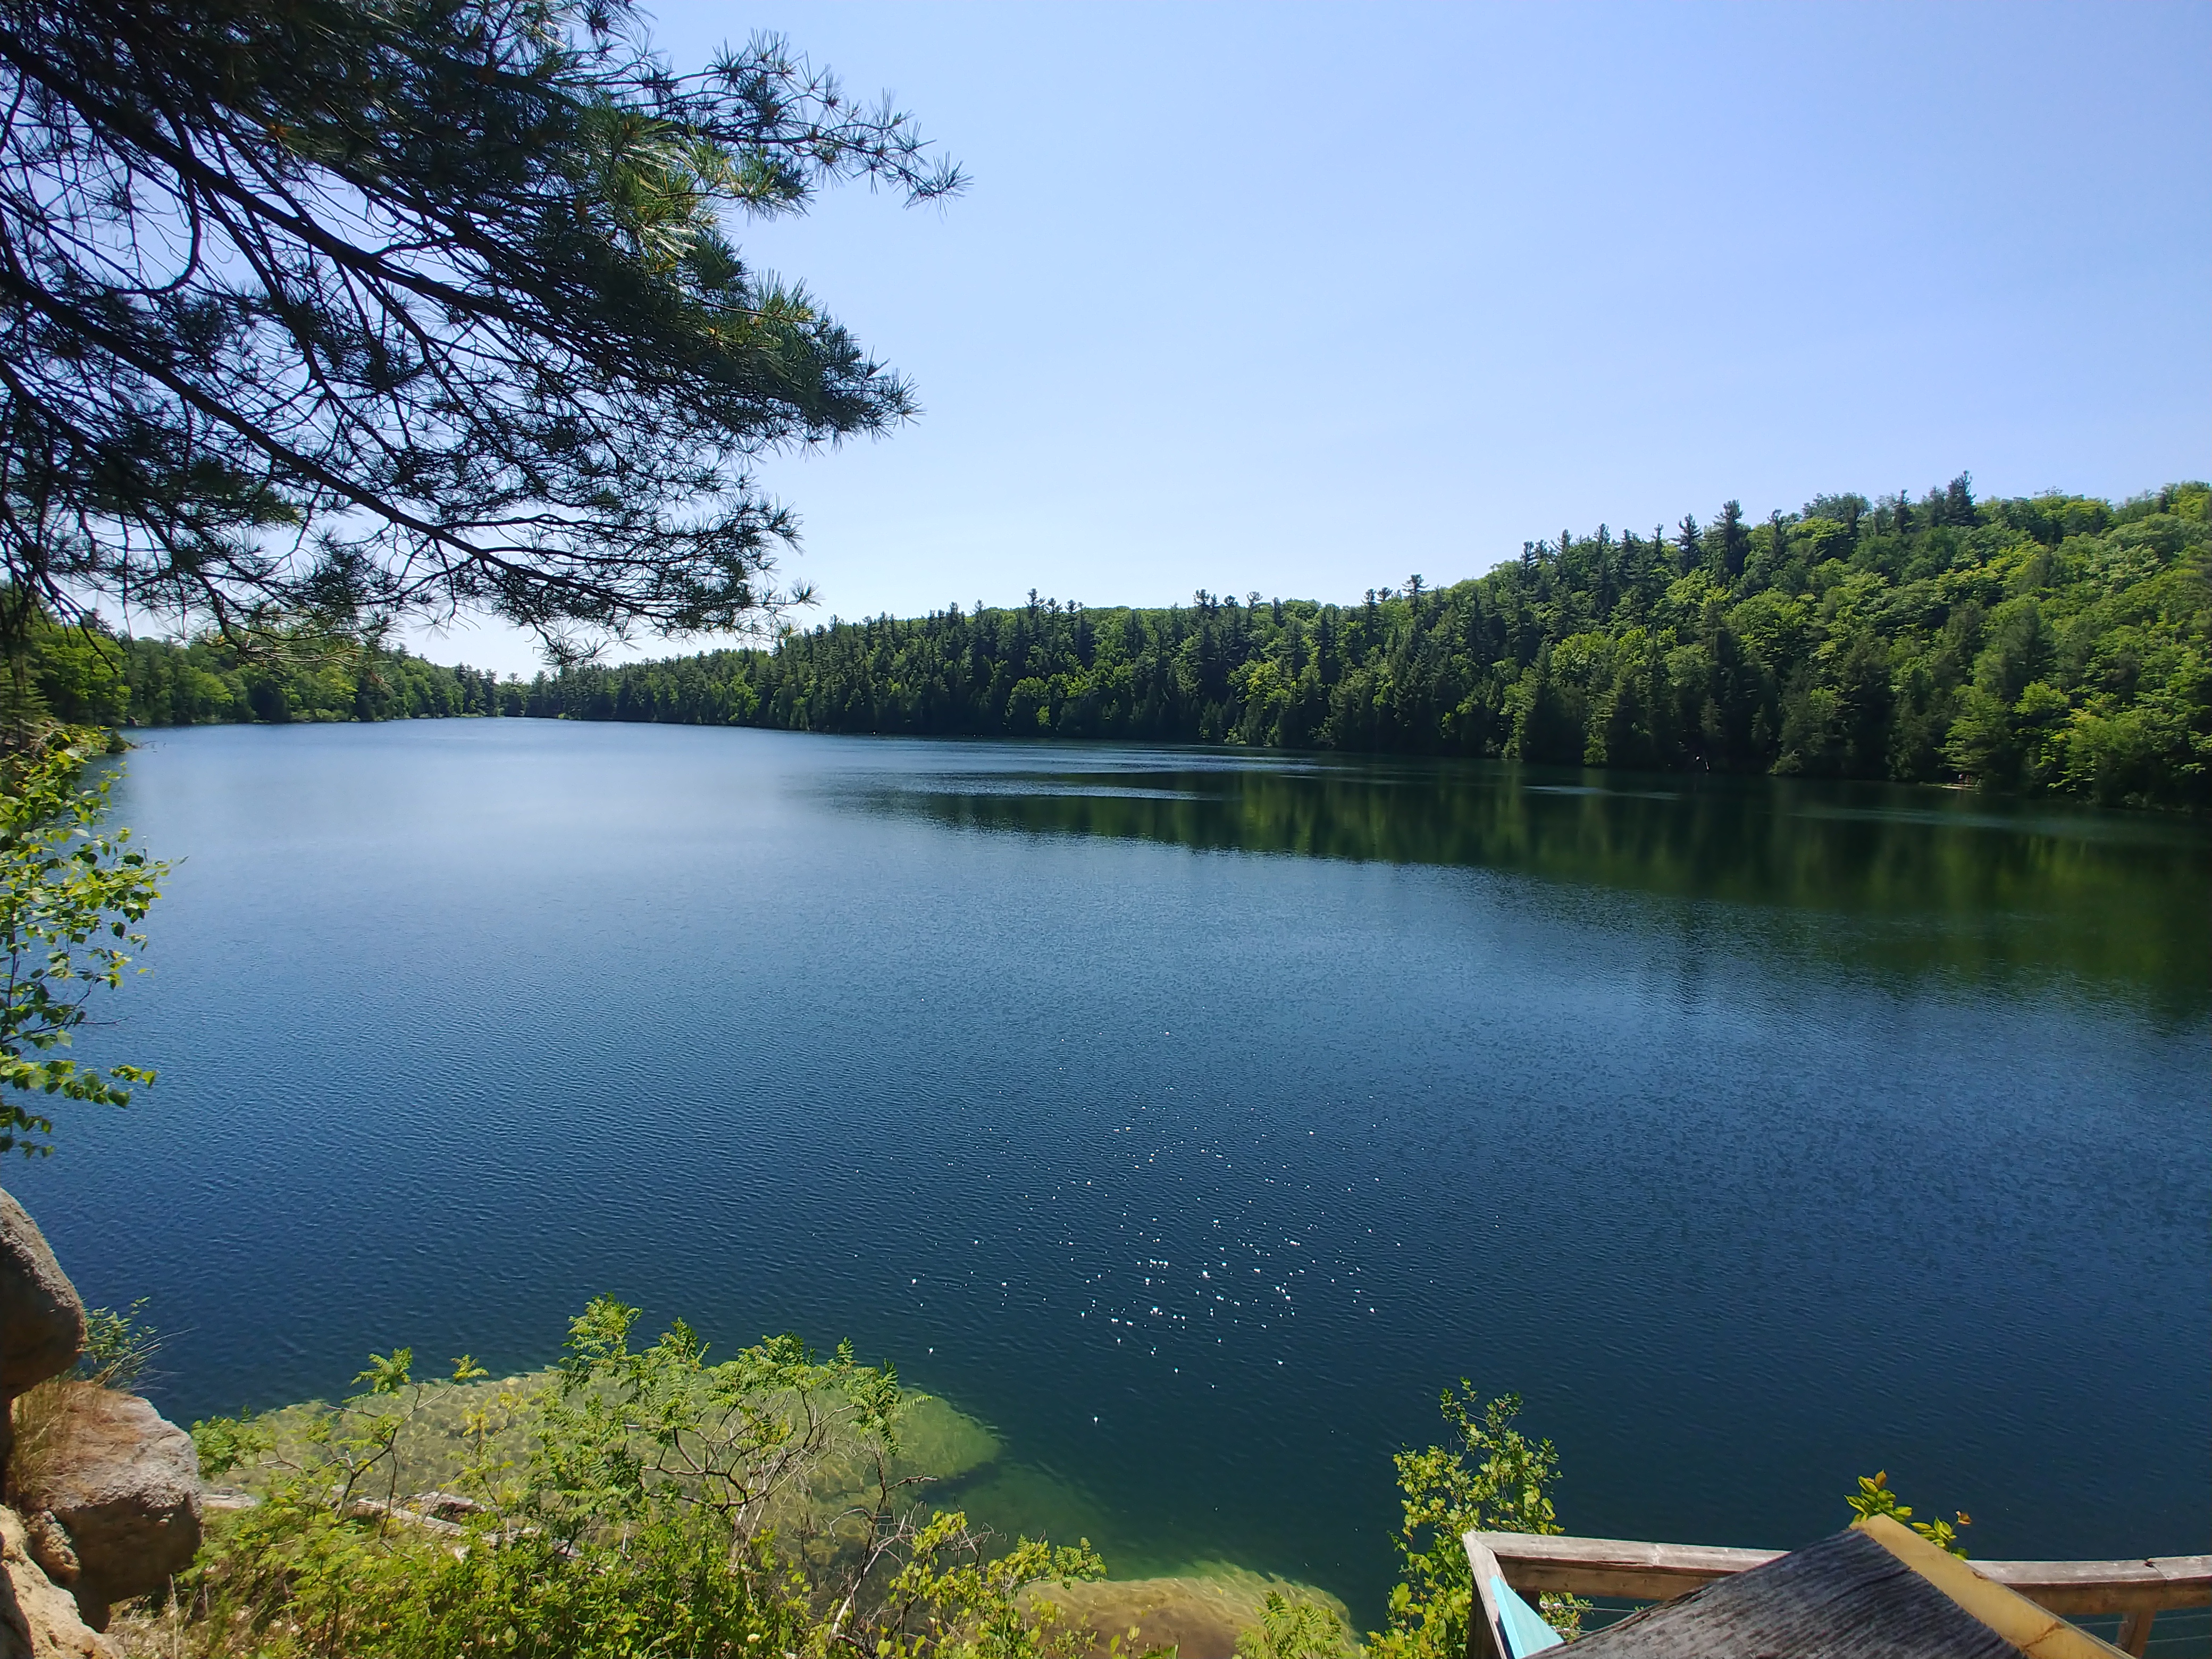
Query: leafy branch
x,y
71,893
1875,1496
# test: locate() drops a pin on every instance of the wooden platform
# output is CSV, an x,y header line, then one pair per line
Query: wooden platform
x,y
1876,1589
1846,1597
1534,1564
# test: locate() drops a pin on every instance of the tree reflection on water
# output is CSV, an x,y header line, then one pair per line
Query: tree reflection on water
x,y
1927,880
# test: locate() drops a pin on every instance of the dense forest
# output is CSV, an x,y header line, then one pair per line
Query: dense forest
x,y
87,677
2056,643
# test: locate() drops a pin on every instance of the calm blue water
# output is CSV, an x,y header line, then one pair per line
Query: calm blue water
x,y
1193,1118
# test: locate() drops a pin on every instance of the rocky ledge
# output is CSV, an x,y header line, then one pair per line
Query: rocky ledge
x,y
101,1494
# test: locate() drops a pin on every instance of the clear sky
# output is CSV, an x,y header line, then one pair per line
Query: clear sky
x,y
1304,299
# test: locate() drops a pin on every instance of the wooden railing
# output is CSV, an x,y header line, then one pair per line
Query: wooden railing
x,y
2137,1590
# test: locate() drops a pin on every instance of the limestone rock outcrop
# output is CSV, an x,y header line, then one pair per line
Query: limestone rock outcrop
x,y
123,1484
38,1619
106,1494
41,1320
51,1548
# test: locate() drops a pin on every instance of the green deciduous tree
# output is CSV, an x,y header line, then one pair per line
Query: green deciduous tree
x,y
1489,1477
71,893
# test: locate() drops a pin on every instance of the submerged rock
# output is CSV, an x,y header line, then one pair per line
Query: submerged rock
x,y
38,1619
1201,1613
123,1483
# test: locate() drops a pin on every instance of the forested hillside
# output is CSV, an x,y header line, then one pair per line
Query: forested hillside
x,y
2052,643
95,678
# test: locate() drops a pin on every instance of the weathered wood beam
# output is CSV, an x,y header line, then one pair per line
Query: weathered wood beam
x,y
1614,1566
2076,1588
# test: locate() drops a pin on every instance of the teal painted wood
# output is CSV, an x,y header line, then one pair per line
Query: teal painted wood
x,y
1525,1631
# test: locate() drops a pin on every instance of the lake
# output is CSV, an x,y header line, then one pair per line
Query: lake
x,y
1192,1116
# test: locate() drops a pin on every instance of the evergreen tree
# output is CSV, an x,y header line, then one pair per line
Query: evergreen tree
x,y
331,312
1734,540
1688,548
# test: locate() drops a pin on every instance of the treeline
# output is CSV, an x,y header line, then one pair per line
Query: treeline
x,y
2056,642
2050,643
90,676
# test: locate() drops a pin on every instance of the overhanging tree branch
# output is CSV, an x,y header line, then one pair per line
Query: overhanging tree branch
x,y
343,311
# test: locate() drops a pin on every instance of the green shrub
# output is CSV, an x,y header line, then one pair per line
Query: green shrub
x,y
1492,1478
668,1504
1294,1628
